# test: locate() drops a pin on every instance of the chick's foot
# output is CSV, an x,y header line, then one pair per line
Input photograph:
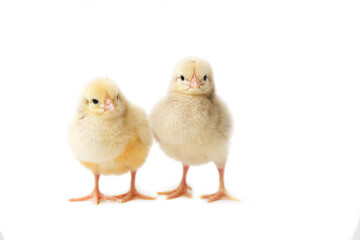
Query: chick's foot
x,y
95,196
133,193
222,193
181,190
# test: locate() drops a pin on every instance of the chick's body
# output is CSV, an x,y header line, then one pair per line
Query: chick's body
x,y
191,124
111,146
109,135
192,129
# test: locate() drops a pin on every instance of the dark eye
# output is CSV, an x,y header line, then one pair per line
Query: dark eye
x,y
182,77
117,97
205,77
94,101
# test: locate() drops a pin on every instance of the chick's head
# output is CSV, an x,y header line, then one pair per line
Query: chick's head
x,y
193,76
102,97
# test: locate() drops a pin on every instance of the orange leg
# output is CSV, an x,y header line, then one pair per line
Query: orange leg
x,y
181,190
133,193
221,194
95,195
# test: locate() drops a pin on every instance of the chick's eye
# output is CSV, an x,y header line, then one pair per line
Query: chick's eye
x,y
117,97
182,77
205,77
94,101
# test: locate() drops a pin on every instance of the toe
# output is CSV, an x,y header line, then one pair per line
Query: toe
x,y
144,197
207,196
168,192
80,199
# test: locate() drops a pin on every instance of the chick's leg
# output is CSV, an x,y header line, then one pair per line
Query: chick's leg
x,y
181,190
133,193
222,193
96,195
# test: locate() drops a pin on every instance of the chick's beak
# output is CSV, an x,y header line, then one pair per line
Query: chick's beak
x,y
109,104
194,82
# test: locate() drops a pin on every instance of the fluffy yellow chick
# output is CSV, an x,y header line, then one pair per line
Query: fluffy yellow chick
x,y
109,135
192,125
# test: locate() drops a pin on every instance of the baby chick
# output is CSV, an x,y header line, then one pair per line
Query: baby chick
x,y
109,135
192,125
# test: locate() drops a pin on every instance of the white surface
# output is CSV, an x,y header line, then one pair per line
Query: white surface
x,y
357,233
289,71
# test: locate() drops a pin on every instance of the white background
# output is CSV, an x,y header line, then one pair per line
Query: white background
x,y
289,71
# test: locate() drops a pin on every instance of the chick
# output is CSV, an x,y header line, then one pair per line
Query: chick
x,y
192,125
109,135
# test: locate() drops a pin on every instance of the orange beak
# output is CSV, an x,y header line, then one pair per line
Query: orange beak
x,y
109,104
194,82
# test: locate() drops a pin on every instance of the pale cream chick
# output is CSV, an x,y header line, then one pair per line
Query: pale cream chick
x,y
191,124
109,135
